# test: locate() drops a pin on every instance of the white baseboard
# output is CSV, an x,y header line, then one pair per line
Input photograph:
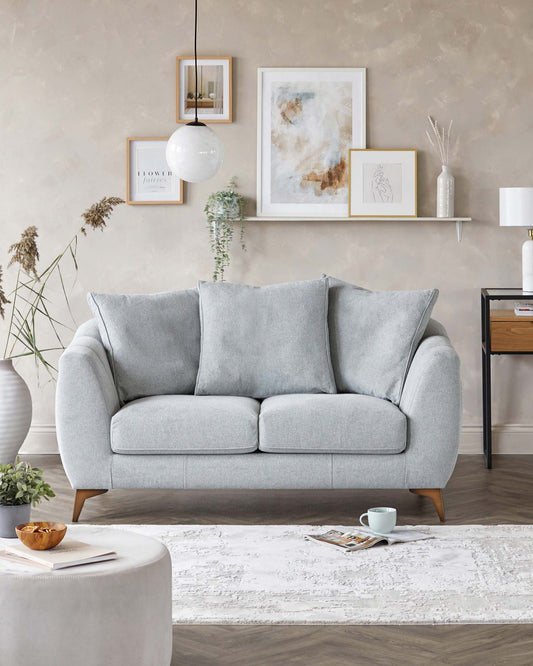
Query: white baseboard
x,y
40,439
508,438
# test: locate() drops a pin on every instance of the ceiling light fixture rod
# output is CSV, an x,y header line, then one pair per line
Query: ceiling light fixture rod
x,y
195,62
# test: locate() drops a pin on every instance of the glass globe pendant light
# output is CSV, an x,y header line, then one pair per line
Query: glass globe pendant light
x,y
194,152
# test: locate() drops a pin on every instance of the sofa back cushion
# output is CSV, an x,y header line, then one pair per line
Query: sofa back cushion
x,y
373,336
263,341
152,341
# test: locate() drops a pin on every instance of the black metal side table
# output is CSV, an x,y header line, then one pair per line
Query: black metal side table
x,y
502,332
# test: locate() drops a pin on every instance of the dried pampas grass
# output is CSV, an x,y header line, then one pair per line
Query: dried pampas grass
x,y
30,305
25,252
3,300
440,141
95,216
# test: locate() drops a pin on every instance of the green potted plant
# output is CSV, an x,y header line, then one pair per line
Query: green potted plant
x,y
21,487
224,210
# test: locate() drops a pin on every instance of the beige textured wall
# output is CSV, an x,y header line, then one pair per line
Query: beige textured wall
x,y
79,76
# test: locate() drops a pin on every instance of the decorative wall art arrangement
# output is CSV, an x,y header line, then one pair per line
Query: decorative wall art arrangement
x,y
382,183
214,89
312,160
149,178
308,119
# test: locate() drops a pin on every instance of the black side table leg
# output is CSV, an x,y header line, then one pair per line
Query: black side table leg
x,y
484,402
487,415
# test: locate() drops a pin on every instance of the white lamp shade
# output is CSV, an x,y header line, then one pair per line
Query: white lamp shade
x,y
194,153
516,207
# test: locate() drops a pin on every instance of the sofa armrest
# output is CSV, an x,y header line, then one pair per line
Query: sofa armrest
x,y
86,400
432,402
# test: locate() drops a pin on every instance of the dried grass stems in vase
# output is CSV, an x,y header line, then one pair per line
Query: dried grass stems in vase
x,y
224,210
29,302
439,138
3,299
25,252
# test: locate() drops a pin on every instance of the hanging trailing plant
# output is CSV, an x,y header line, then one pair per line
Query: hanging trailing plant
x,y
224,210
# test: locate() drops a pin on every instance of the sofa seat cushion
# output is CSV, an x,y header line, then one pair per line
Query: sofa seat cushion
x,y
181,424
342,423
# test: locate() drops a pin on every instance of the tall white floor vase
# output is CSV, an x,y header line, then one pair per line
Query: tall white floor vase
x,y
15,411
445,193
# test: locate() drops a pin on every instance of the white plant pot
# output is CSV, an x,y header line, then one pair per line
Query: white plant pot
x,y
11,516
232,212
15,411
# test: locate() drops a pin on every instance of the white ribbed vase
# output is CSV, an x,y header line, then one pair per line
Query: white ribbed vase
x,y
445,193
15,411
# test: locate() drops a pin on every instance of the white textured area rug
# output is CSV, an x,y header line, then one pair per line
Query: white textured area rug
x,y
268,574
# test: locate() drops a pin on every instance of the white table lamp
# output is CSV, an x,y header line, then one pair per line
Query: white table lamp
x,y
516,210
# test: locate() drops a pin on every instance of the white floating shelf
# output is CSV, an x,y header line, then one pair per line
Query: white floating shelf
x,y
458,220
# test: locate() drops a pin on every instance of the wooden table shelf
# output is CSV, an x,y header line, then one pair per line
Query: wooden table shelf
x,y
510,333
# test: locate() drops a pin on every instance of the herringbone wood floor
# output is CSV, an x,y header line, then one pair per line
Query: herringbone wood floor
x,y
474,495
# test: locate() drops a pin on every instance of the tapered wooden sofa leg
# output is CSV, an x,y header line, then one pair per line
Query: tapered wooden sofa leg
x,y
435,494
81,496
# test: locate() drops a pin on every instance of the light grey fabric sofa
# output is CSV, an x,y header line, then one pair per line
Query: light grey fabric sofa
x,y
313,441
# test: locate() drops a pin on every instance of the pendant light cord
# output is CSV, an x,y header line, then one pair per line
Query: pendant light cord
x,y
195,62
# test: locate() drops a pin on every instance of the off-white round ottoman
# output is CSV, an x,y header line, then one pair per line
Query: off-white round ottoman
x,y
114,613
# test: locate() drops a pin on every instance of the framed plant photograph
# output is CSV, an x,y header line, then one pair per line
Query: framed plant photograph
x,y
308,119
149,178
382,183
214,89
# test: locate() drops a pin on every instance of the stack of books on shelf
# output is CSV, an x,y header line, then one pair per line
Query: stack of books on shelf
x,y
523,309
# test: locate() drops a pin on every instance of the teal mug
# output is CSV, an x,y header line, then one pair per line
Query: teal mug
x,y
381,519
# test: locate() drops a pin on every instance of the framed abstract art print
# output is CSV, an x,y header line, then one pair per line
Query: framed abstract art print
x,y
308,119
382,183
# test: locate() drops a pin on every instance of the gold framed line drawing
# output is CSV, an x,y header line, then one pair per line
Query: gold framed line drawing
x,y
383,183
215,89
149,178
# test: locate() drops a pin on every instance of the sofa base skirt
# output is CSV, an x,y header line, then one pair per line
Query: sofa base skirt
x,y
258,471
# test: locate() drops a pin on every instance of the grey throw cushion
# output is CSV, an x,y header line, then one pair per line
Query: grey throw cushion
x,y
263,341
373,336
152,341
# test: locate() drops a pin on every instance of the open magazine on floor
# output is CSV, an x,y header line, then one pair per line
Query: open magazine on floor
x,y
361,538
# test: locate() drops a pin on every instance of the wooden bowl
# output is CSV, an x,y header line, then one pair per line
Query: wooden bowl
x,y
42,540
